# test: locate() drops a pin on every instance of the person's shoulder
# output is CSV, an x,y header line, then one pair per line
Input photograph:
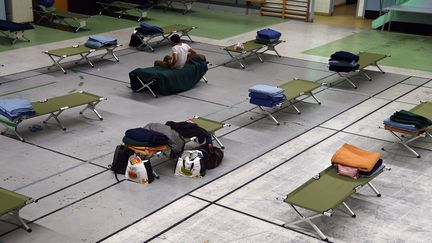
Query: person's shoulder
x,y
186,45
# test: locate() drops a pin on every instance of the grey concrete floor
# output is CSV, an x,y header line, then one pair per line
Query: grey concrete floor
x,y
80,201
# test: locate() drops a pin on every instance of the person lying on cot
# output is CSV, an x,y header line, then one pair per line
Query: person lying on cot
x,y
181,53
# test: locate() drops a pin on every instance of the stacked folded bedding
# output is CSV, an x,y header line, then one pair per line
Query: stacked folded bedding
x,y
98,41
407,121
145,141
364,163
15,108
267,36
343,61
266,95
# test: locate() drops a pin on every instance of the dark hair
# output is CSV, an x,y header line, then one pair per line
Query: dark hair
x,y
175,39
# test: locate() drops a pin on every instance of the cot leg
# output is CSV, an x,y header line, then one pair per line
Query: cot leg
x,y
349,209
55,116
15,132
261,60
366,75
110,51
315,98
374,189
205,79
186,33
57,63
379,68
237,59
146,86
24,224
270,115
295,107
308,220
348,80
405,143
218,141
86,58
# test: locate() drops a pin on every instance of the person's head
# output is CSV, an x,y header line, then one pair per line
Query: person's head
x,y
175,39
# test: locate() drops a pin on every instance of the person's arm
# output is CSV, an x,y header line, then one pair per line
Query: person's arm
x,y
174,59
192,51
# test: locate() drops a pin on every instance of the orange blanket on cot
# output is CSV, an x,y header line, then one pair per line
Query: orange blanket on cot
x,y
148,151
353,156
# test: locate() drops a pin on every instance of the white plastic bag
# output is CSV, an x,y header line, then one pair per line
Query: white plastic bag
x,y
239,46
190,164
136,170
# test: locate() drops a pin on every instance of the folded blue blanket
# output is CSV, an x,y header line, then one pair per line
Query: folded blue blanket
x,y
106,40
266,96
264,102
405,127
266,89
13,108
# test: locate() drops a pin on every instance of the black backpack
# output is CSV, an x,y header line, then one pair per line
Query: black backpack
x,y
120,160
212,156
135,41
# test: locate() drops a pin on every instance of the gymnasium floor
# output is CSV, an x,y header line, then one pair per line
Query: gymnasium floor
x,y
80,201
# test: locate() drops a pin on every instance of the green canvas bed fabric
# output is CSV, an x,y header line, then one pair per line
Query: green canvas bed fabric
x,y
11,202
365,59
323,193
250,48
168,81
55,106
211,126
292,90
78,50
423,109
124,8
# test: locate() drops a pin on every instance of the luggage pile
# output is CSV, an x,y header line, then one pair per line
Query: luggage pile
x,y
355,162
15,108
266,95
267,36
343,61
98,41
141,144
407,121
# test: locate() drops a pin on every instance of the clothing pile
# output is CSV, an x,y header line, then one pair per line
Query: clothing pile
x,y
407,121
266,95
98,41
15,108
267,36
355,162
145,142
189,129
343,61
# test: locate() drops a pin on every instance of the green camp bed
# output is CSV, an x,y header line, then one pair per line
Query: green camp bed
x,y
124,8
250,48
365,59
423,109
54,107
292,90
52,15
180,29
11,203
57,55
187,4
322,194
211,126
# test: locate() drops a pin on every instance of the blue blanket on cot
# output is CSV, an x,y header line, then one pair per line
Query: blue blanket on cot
x,y
401,126
98,41
6,25
265,96
265,102
13,108
266,89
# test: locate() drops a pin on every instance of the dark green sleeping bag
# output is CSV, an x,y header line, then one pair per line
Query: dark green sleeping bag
x,y
169,81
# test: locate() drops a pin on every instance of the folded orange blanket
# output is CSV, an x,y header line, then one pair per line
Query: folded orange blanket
x,y
148,151
353,156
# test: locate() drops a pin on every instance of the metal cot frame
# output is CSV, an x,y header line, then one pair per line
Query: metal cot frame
x,y
308,218
124,8
256,50
145,39
82,51
186,3
13,126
